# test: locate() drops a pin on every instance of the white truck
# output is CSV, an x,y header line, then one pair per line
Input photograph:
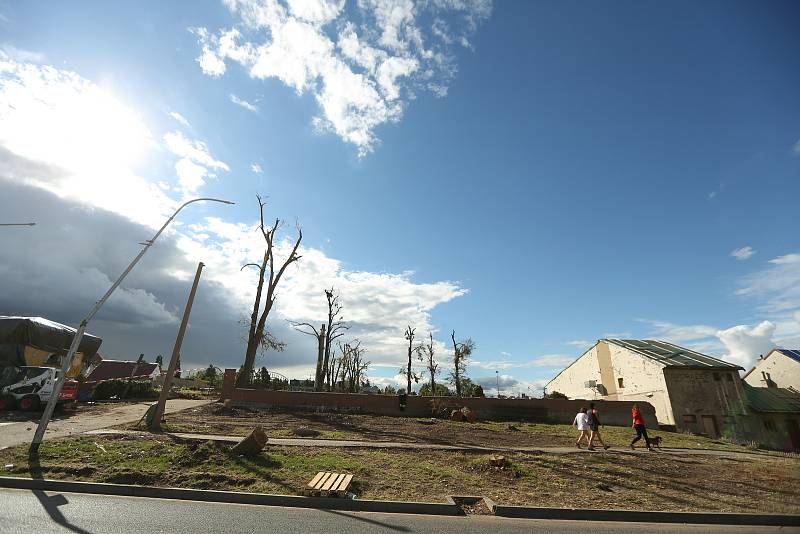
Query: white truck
x,y
29,387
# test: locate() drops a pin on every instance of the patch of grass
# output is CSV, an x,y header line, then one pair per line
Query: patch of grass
x,y
607,480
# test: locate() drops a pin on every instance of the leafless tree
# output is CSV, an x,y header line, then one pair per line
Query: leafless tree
x,y
352,365
410,374
461,353
267,272
321,337
326,335
425,355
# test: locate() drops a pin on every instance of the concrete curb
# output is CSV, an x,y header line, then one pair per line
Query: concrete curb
x,y
700,518
351,505
449,508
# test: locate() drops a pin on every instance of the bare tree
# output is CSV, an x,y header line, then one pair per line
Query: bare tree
x,y
336,326
425,355
352,365
266,273
321,337
461,353
326,335
410,375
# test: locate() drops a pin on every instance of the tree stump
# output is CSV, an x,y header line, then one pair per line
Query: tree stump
x,y
469,415
457,415
497,460
252,444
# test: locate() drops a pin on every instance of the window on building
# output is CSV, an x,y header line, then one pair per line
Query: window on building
x,y
689,419
620,383
717,377
769,424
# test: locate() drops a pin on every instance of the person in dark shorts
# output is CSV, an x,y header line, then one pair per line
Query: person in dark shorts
x,y
594,426
639,426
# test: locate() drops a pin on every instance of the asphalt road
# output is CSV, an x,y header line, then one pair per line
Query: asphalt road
x,y
67,424
36,511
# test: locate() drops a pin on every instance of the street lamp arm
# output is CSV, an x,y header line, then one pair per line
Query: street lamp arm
x,y
76,339
147,245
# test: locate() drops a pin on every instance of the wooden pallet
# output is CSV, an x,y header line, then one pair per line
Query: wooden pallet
x,y
325,484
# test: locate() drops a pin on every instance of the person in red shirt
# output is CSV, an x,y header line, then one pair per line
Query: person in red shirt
x,y
638,425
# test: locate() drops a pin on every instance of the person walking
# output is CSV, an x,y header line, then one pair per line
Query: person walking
x,y
594,426
582,423
639,426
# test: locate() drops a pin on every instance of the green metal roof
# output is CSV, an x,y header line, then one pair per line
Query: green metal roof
x,y
672,355
782,400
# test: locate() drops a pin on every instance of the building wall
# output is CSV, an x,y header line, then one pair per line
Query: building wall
x,y
642,380
782,370
717,395
537,410
572,380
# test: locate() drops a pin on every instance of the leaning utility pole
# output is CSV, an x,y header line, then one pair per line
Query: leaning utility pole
x,y
155,423
66,363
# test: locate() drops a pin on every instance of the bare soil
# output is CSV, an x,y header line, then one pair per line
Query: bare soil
x,y
214,419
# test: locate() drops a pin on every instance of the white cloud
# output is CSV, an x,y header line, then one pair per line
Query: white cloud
x,y
361,66
8,51
617,335
63,134
580,343
180,118
547,360
256,168
195,163
243,103
65,122
676,333
745,344
743,253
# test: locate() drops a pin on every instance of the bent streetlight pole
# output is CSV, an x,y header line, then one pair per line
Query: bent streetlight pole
x,y
155,422
76,340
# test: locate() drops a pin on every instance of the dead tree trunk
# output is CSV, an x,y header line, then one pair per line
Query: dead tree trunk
x,y
267,273
456,365
409,335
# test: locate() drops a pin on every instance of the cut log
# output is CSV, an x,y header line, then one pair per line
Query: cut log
x,y
252,444
469,415
456,415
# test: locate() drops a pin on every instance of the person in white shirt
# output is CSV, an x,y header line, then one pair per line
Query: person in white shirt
x,y
582,423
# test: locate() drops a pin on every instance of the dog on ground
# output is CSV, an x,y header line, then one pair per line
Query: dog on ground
x,y
655,441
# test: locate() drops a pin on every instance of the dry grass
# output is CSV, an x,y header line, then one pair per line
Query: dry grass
x,y
602,480
212,420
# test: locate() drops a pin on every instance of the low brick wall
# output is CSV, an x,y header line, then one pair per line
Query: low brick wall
x,y
535,410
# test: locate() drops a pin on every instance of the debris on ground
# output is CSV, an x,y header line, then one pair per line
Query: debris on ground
x,y
472,505
326,484
457,415
251,445
100,447
469,414
305,432
498,460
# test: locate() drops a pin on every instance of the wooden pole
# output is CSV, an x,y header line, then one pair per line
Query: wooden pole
x,y
155,424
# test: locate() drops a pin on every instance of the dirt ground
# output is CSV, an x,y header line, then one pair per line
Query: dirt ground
x,y
610,480
213,419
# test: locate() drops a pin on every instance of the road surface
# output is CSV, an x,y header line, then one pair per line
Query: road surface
x,y
66,424
40,512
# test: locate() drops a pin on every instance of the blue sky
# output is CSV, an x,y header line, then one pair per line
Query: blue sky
x,y
534,175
